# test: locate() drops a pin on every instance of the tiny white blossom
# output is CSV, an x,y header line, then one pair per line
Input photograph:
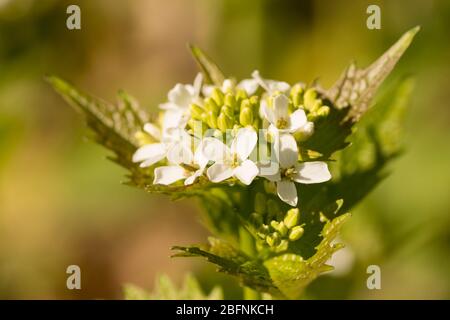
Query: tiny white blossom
x,y
281,121
271,86
180,97
190,169
174,144
291,171
233,161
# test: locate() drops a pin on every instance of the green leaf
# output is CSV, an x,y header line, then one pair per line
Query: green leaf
x,y
114,125
232,261
210,70
291,273
166,290
356,87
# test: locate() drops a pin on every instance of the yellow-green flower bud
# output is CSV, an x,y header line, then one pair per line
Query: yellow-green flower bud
x,y
218,96
212,119
198,127
246,116
254,100
296,233
273,239
323,111
309,98
260,203
292,217
230,101
228,111
224,122
283,246
241,95
211,105
196,111
280,227
296,95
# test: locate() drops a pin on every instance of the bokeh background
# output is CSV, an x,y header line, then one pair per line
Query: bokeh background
x,y
62,203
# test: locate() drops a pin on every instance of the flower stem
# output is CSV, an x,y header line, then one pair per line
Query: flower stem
x,y
247,246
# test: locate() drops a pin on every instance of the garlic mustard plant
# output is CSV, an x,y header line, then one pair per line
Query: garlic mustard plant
x,y
276,167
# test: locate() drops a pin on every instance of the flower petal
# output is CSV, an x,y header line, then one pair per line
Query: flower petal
x,y
288,152
180,153
219,172
297,120
191,179
246,172
153,130
287,192
312,172
174,118
267,112
150,152
277,85
249,85
244,142
181,95
168,174
215,150
280,107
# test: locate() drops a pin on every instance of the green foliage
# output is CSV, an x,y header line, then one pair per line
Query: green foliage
x,y
210,70
166,290
287,250
232,261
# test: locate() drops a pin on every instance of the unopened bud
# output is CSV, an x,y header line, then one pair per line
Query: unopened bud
x,y
196,111
283,246
246,116
323,111
224,122
309,98
211,120
228,111
230,101
217,96
296,233
279,226
211,105
292,217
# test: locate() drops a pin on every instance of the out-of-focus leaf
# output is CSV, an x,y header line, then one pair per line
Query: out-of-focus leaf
x,y
166,290
210,70
232,261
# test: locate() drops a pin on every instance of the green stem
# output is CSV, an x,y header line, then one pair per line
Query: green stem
x,y
247,246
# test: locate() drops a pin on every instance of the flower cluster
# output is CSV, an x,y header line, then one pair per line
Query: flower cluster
x,y
233,134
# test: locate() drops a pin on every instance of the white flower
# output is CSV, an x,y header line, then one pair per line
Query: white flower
x,y
271,86
280,120
190,169
291,171
248,85
233,161
180,97
175,144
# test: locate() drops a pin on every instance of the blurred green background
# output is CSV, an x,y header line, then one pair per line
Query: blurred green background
x,y
62,203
